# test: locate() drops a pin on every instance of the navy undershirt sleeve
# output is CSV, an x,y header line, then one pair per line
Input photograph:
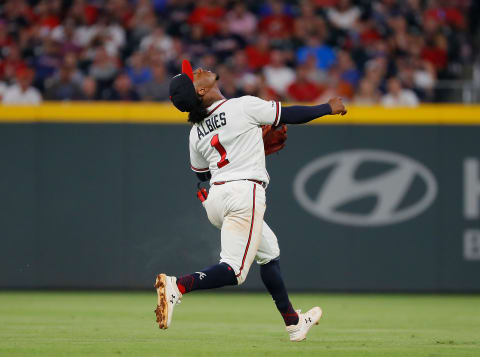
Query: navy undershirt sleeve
x,y
300,114
204,176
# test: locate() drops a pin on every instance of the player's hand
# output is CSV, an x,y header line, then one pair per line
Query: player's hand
x,y
337,106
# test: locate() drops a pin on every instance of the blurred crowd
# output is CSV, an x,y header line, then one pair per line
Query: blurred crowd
x,y
389,52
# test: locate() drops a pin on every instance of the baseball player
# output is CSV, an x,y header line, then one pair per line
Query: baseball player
x,y
228,149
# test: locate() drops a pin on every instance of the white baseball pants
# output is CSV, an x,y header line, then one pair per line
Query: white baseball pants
x,y
237,208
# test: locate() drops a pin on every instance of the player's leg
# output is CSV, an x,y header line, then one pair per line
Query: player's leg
x,y
170,289
213,277
268,256
238,208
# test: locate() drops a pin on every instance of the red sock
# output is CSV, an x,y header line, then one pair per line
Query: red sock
x,y
290,316
185,283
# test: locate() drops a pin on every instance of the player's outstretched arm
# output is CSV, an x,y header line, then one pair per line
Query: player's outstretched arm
x,y
300,114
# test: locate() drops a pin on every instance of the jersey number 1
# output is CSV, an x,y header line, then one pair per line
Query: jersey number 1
x,y
221,150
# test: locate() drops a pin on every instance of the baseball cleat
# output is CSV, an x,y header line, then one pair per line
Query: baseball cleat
x,y
299,331
168,297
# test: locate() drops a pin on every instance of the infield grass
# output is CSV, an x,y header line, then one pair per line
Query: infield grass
x,y
236,324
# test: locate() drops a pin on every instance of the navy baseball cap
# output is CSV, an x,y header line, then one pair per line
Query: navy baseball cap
x,y
182,92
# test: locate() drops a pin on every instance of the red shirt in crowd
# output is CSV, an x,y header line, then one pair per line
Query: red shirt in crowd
x,y
436,56
255,58
91,14
50,21
446,15
369,36
277,26
208,18
10,68
304,91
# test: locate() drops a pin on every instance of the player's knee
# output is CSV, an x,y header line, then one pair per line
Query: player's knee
x,y
242,276
241,271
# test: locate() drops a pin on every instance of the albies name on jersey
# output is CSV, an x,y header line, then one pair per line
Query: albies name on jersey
x,y
211,124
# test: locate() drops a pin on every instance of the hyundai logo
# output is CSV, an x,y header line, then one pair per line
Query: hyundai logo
x,y
392,195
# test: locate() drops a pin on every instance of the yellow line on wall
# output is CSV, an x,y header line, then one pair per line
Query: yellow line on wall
x,y
102,112
165,113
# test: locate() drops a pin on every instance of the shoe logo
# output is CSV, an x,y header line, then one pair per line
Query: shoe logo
x,y
308,320
201,275
172,300
365,187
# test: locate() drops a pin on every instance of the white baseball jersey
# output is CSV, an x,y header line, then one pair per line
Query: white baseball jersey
x,y
229,142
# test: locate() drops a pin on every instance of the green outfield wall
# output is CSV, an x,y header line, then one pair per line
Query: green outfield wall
x,y
102,196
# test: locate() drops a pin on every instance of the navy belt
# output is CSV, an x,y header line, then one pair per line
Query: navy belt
x,y
261,183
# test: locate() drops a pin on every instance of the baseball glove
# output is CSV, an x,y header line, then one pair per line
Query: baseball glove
x,y
274,138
